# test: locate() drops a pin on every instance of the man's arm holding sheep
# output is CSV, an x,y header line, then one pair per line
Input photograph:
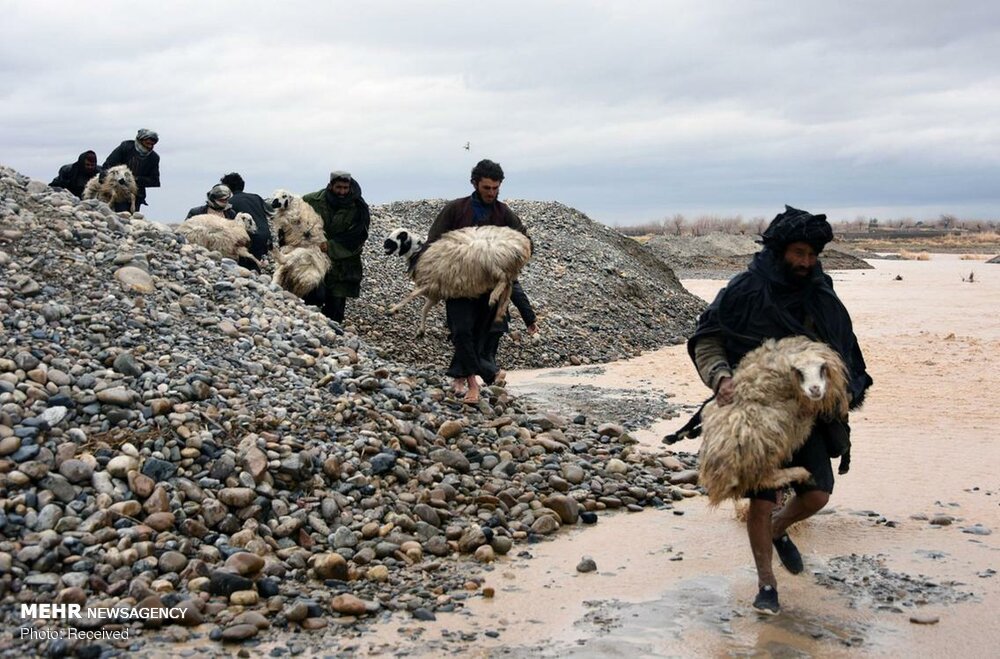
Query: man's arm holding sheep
x,y
713,367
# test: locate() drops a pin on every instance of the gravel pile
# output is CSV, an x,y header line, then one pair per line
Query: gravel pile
x,y
175,431
719,255
599,295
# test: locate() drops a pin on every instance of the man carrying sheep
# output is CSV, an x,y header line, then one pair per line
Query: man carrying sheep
x,y
784,292
346,220
139,157
470,320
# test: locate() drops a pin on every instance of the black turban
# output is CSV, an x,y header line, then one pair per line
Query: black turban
x,y
795,226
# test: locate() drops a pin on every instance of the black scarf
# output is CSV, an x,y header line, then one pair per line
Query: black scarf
x,y
765,302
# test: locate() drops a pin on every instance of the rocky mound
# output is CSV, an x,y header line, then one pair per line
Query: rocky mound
x,y
177,432
599,296
720,254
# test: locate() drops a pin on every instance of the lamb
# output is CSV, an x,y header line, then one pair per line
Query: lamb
x,y
780,390
230,238
461,263
113,185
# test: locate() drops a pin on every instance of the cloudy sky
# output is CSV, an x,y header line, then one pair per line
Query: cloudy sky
x,y
630,111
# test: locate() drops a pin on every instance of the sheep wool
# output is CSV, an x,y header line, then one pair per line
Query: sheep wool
x,y
231,238
468,263
780,389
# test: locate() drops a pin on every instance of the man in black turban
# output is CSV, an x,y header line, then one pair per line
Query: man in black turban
x,y
784,292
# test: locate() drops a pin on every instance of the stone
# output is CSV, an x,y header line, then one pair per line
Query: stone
x,y
450,458
610,430
237,633
685,477
120,465
331,566
566,507
160,521
226,583
172,561
350,605
119,396
924,619
244,597
245,563
135,280
545,525
450,429
586,564
616,466
236,497
76,471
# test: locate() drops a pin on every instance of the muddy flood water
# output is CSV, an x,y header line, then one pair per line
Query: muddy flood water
x,y
903,562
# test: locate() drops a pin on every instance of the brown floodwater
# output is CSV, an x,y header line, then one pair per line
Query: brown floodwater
x,y
925,445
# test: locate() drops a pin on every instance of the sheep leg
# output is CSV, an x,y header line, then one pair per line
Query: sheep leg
x,y
498,291
245,254
502,303
131,204
415,293
783,477
428,305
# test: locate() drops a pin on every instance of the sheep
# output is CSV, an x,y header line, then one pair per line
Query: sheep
x,y
300,269
461,263
294,222
113,185
228,237
780,390
302,264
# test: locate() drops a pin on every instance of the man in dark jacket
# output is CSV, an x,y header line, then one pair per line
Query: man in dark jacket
x,y
248,202
470,319
346,220
74,177
138,155
783,293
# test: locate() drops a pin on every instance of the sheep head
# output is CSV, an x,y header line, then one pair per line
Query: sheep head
x,y
818,375
120,175
248,222
280,200
402,243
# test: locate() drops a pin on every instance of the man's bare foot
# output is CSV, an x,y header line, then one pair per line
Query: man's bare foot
x,y
460,386
501,377
472,397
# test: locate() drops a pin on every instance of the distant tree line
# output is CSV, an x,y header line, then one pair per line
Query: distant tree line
x,y
678,225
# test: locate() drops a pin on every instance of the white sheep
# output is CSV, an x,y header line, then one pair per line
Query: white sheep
x,y
780,389
464,263
113,185
294,222
230,238
300,269
302,264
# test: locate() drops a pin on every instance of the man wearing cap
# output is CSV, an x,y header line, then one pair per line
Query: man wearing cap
x,y
346,219
217,203
139,157
784,292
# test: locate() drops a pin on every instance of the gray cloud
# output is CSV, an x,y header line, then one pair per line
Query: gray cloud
x,y
628,111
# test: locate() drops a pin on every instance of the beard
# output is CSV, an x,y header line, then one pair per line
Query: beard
x,y
796,275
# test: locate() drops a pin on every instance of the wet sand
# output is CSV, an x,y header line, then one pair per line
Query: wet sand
x,y
680,585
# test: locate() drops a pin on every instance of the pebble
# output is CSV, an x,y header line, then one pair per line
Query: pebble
x,y
586,564
924,619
